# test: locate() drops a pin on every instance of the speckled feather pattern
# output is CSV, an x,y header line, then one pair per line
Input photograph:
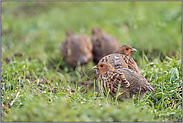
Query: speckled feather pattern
x,y
136,81
110,81
120,61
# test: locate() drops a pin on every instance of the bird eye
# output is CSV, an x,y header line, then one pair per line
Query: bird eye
x,y
127,49
101,65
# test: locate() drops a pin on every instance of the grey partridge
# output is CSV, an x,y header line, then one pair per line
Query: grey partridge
x,y
109,80
121,58
76,48
103,44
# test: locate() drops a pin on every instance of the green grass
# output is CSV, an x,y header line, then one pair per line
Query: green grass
x,y
35,88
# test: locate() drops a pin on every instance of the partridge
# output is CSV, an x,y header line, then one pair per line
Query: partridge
x,y
131,82
103,44
109,79
121,58
76,48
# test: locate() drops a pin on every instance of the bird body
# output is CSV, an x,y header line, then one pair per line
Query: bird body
x,y
103,44
131,82
76,48
121,58
109,79
138,84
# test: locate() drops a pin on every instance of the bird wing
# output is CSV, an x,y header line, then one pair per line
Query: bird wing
x,y
111,80
136,80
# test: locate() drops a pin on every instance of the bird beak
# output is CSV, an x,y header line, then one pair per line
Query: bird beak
x,y
95,67
133,49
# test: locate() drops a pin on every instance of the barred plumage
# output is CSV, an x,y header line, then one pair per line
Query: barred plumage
x,y
121,58
131,82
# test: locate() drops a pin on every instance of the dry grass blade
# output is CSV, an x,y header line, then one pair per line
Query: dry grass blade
x,y
86,75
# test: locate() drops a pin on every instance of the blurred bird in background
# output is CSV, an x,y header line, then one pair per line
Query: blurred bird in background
x,y
76,48
103,44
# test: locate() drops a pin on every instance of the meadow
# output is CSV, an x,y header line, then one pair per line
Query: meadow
x,y
37,85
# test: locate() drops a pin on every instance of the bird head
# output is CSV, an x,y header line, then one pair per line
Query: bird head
x,y
103,67
69,32
125,49
96,30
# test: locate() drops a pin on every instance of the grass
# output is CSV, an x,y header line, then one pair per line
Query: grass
x,y
35,88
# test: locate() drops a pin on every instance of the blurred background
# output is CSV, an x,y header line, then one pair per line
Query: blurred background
x,y
36,28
